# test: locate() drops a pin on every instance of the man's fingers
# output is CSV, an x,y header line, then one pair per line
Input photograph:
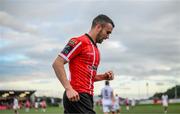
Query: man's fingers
x,y
110,75
74,98
71,99
77,98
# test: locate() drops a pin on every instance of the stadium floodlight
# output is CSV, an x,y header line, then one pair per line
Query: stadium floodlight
x,y
27,92
22,95
5,95
11,92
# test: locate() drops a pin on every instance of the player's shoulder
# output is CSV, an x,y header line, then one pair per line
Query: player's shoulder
x,y
103,88
78,39
110,88
74,41
83,38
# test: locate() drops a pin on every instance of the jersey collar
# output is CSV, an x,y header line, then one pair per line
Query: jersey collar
x,y
91,39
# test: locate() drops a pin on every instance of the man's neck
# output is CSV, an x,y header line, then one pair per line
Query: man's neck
x,y
92,35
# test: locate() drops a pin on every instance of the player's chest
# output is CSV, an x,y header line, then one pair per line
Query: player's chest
x,y
91,53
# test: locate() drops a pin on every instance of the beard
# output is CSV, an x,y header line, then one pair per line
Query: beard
x,y
99,38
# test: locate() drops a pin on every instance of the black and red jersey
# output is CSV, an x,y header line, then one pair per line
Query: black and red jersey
x,y
83,57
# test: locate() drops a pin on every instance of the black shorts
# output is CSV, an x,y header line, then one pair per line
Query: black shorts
x,y
83,106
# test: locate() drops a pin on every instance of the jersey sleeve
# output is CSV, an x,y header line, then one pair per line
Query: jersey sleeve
x,y
72,48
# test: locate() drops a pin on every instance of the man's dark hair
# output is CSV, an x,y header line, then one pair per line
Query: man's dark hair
x,y
102,19
106,82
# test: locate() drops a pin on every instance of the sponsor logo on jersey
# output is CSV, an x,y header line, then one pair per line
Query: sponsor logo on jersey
x,y
72,42
67,49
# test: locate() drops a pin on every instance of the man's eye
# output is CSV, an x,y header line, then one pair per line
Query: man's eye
x,y
108,32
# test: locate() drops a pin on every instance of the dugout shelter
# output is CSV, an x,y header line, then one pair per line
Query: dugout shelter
x,y
6,97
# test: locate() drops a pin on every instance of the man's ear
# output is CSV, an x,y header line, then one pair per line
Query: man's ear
x,y
98,27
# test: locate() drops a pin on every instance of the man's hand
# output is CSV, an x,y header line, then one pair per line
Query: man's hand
x,y
72,95
109,75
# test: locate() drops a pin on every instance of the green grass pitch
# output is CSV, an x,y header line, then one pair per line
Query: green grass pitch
x,y
139,109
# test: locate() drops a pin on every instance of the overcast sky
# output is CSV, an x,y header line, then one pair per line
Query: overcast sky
x,y
144,46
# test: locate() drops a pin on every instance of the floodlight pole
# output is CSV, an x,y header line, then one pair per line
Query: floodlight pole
x,y
175,91
147,89
175,88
